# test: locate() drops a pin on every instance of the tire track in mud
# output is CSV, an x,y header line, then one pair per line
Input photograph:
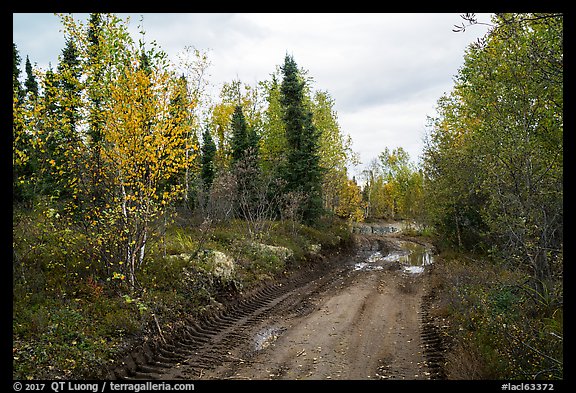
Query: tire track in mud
x,y
434,346
204,344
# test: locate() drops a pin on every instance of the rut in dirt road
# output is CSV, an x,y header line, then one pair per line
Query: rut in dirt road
x,y
204,344
355,317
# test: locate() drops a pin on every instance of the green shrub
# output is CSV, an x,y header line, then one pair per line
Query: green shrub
x,y
494,318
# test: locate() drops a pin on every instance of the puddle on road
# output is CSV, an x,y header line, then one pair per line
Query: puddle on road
x,y
413,259
417,259
367,266
372,263
267,336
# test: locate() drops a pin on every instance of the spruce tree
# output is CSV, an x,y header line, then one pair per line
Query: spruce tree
x,y
239,143
208,171
54,145
94,87
69,70
16,86
95,69
245,164
30,84
302,173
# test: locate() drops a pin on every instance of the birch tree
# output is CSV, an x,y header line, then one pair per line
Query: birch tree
x,y
147,145
135,133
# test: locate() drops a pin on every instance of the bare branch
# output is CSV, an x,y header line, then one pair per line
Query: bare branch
x,y
471,20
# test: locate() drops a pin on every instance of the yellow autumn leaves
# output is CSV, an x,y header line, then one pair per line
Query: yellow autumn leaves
x,y
148,140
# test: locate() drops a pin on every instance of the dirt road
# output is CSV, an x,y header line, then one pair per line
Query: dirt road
x,y
362,316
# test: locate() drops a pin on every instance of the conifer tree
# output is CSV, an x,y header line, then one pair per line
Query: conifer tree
x,y
50,137
245,164
68,93
16,86
208,171
21,140
239,143
94,83
302,173
95,90
69,70
30,84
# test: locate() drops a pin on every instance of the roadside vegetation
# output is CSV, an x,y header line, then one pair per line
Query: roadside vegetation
x,y
497,325
493,167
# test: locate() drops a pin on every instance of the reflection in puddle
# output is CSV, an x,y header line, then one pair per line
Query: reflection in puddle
x,y
413,259
375,257
367,266
267,336
417,259
413,269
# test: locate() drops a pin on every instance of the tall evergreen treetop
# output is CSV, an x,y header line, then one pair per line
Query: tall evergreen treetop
x,y
208,171
31,84
239,143
70,70
94,29
69,61
292,98
245,139
95,76
17,88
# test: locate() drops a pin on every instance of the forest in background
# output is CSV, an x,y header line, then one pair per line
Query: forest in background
x,y
121,161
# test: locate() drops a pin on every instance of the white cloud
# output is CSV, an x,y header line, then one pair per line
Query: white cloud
x,y
374,128
385,72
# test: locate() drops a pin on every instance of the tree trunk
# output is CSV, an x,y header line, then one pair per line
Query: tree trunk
x,y
131,263
143,248
458,231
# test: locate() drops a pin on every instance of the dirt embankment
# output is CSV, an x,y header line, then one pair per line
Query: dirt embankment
x,y
361,316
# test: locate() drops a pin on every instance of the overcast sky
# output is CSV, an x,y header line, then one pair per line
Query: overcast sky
x,y
385,71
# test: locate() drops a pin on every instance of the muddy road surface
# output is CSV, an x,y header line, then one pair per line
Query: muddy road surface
x,y
359,316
